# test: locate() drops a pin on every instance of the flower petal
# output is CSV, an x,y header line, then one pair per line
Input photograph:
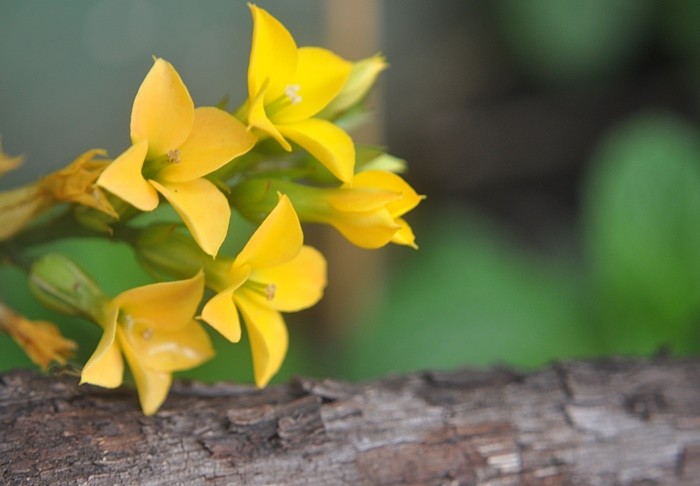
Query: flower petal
x,y
360,199
221,314
273,55
257,118
123,178
152,385
404,236
166,350
277,240
379,179
298,284
105,367
268,337
202,207
216,138
163,111
320,76
162,306
326,142
371,229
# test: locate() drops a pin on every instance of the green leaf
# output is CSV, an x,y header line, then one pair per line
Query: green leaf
x,y
469,297
642,225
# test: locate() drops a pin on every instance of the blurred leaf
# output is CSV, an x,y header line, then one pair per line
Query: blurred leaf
x,y
569,40
468,297
642,213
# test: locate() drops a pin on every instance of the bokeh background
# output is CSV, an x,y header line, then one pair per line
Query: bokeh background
x,y
557,141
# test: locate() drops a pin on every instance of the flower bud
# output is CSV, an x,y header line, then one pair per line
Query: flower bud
x,y
163,250
360,81
61,285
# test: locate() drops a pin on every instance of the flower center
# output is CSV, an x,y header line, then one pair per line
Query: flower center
x,y
269,291
153,166
291,96
292,92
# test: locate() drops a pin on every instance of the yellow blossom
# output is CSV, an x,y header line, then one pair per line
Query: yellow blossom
x,y
76,183
273,273
174,147
40,340
369,212
153,327
287,86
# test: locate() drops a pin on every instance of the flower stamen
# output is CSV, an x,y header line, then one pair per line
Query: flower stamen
x,y
292,93
173,156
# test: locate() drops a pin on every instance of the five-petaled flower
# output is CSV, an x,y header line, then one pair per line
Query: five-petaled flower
x,y
287,86
274,272
174,147
154,328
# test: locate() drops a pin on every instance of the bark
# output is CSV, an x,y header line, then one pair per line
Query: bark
x,y
592,422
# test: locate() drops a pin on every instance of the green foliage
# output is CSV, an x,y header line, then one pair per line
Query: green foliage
x,y
642,217
468,296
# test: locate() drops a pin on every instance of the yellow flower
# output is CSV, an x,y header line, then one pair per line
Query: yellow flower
x,y
76,183
153,326
40,340
274,272
287,86
367,212
174,147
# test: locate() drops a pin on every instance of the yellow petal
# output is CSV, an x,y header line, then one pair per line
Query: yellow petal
x,y
360,199
371,229
389,181
105,367
268,337
221,314
216,138
298,284
163,111
152,385
404,236
203,209
123,178
162,305
320,76
273,55
326,142
277,240
170,350
257,118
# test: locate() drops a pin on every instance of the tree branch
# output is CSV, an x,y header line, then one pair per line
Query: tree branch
x,y
603,422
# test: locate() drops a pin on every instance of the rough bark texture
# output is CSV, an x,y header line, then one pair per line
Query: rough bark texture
x,y
604,422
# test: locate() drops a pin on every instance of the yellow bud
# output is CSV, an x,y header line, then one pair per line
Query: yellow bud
x,y
361,80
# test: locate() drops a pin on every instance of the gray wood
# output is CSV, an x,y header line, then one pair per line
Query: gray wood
x,y
589,422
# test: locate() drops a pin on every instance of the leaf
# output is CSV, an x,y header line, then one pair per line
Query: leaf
x,y
642,228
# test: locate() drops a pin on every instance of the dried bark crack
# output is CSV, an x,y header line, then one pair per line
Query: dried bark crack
x,y
585,422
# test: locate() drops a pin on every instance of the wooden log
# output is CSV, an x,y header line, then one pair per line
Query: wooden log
x,y
616,421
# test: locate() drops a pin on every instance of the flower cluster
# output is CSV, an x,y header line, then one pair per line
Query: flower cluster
x,y
280,159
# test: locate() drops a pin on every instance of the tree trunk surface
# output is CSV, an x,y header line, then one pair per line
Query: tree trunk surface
x,y
616,421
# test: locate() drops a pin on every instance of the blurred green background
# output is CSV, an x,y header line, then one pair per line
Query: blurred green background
x,y
558,143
